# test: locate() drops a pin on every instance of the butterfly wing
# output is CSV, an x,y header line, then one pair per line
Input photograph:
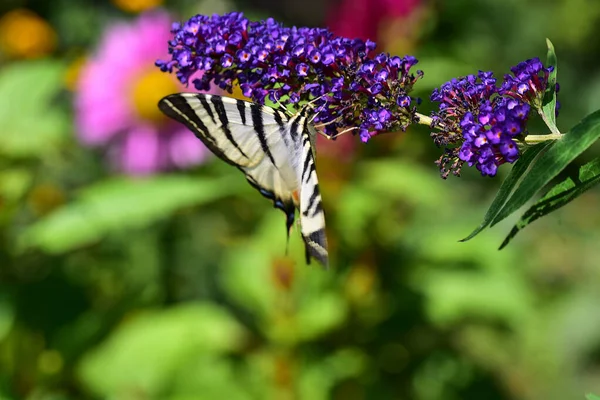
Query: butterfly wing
x,y
312,217
252,137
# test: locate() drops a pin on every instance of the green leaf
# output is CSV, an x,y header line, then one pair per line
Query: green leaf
x,y
119,204
549,103
591,396
318,379
31,124
560,195
14,183
148,351
508,186
320,315
552,162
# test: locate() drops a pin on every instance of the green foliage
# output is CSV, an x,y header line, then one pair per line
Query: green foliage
x,y
560,195
117,205
32,124
549,105
182,286
512,181
150,350
558,156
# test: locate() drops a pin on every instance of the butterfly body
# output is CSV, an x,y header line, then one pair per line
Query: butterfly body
x,y
273,150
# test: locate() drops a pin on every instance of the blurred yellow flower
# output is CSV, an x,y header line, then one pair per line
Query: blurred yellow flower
x,y
148,89
24,34
136,6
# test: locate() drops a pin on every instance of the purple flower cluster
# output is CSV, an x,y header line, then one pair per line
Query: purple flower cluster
x,y
349,84
528,82
480,123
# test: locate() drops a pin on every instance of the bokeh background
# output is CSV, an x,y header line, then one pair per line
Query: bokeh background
x,y
134,265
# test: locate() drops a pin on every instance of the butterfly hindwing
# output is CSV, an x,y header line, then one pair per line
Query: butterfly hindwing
x,y
312,217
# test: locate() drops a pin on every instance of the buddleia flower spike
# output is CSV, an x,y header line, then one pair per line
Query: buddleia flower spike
x,y
481,123
349,82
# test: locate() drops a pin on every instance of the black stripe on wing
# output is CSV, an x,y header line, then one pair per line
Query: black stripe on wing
x,y
176,107
257,121
207,107
222,114
312,217
241,106
278,116
315,197
315,246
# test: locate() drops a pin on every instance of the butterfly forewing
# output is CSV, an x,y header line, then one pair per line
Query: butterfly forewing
x,y
271,149
211,119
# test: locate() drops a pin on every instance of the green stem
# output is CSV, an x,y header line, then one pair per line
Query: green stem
x,y
424,119
549,123
532,139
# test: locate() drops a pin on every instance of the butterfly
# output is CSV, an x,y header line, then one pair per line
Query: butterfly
x,y
273,149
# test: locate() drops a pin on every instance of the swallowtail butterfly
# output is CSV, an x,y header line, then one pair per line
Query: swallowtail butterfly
x,y
272,148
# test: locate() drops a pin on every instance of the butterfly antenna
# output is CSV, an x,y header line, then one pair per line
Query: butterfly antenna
x,y
317,113
344,131
330,137
310,103
333,121
283,108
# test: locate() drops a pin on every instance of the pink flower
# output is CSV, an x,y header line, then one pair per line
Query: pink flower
x,y
116,100
365,19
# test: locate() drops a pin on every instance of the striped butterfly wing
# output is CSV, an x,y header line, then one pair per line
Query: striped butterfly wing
x,y
262,142
312,217
234,130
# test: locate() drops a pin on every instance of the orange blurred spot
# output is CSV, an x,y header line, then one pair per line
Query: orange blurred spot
x,y
282,273
136,6
24,34
284,373
44,198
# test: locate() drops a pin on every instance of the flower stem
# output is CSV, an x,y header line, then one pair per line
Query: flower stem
x,y
551,125
532,139
424,119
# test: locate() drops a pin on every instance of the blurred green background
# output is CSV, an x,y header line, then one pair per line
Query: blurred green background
x,y
175,284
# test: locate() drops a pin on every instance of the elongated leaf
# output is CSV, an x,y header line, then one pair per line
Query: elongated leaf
x,y
120,204
549,107
509,184
591,396
558,196
552,162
